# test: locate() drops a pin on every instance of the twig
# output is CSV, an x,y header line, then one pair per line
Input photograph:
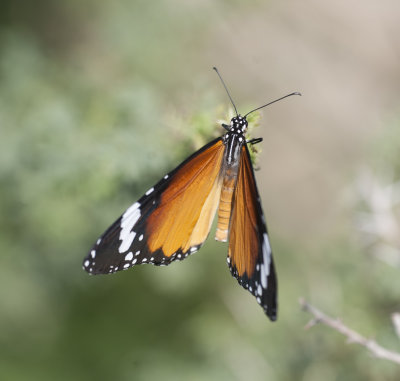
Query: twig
x,y
352,336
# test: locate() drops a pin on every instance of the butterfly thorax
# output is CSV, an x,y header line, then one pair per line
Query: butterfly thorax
x,y
234,140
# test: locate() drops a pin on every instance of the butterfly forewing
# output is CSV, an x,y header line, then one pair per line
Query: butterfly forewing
x,y
250,257
171,221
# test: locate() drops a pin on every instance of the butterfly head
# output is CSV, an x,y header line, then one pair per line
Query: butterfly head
x,y
239,124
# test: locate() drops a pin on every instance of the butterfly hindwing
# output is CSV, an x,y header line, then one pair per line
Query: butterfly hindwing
x,y
250,256
171,221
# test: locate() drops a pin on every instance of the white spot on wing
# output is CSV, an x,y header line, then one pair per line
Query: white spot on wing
x,y
268,246
98,241
259,290
266,249
128,221
129,256
131,210
141,237
93,254
126,265
127,240
149,191
86,264
166,177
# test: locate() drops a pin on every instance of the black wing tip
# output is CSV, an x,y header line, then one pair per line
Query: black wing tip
x,y
269,307
271,313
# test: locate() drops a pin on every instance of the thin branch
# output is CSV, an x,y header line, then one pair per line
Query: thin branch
x,y
352,336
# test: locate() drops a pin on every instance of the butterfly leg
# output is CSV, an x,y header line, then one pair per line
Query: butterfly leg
x,y
254,149
255,141
225,126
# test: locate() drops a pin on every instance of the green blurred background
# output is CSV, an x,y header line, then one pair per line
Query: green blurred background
x,y
99,99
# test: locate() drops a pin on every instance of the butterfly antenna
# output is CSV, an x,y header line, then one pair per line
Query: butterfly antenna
x,y
226,89
270,103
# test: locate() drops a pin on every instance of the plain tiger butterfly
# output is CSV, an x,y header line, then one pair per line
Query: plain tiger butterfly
x,y
173,219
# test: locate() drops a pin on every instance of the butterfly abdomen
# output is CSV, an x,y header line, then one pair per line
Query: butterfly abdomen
x,y
225,205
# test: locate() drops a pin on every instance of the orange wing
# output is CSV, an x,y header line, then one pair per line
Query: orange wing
x,y
250,257
183,218
171,221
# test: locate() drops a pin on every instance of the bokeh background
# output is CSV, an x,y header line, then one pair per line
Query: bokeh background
x,y
99,99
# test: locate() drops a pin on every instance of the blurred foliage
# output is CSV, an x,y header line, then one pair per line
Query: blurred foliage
x,y
86,126
385,149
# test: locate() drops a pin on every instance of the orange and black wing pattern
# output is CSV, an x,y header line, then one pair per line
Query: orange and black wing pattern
x,y
171,221
250,256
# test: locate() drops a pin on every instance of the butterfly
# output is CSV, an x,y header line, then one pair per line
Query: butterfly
x,y
174,217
